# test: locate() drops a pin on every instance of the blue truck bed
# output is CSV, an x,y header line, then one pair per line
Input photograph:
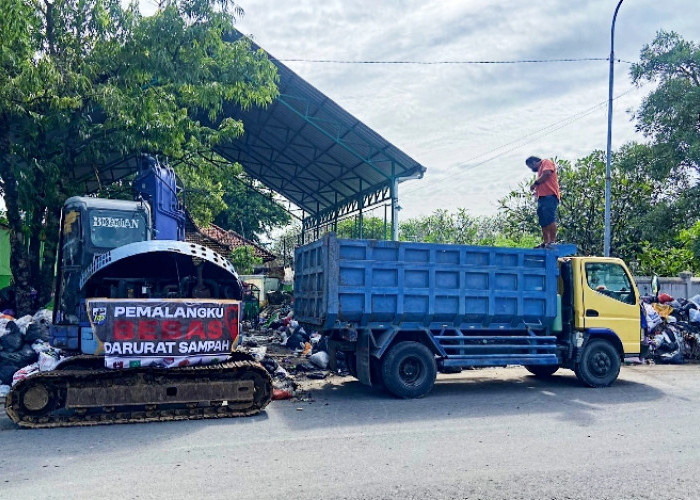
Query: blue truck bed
x,y
361,283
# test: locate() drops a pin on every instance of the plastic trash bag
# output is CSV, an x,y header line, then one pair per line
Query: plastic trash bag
x,y
27,354
48,360
12,340
258,353
694,315
41,346
23,322
3,326
7,370
320,359
280,394
23,373
281,373
651,317
664,310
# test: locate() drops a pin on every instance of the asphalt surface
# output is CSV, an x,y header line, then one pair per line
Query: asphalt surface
x,y
491,434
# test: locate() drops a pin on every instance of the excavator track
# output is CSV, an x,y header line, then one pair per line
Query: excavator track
x,y
80,395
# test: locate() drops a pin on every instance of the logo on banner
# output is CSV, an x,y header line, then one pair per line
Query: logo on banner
x,y
99,315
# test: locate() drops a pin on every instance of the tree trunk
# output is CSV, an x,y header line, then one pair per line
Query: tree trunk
x,y
46,279
19,263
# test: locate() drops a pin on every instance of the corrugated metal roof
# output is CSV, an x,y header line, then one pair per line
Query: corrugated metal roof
x,y
305,147
314,153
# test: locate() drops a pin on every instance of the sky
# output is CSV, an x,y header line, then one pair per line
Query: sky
x,y
471,125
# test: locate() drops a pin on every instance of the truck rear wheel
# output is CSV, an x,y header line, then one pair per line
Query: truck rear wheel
x,y
409,370
599,365
542,370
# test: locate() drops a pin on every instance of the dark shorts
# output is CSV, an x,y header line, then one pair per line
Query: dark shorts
x,y
547,210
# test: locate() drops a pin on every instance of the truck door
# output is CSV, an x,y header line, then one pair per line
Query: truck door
x,y
610,300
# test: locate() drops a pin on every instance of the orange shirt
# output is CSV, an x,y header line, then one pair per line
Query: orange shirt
x,y
551,185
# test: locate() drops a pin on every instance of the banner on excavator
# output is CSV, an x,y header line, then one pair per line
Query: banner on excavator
x,y
164,332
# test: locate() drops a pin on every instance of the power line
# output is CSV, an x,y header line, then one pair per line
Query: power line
x,y
553,127
517,61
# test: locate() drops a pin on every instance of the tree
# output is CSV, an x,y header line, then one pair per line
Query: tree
x,y
373,228
244,260
82,81
249,210
669,115
682,255
461,228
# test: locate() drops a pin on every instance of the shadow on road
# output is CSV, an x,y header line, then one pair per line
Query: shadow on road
x,y
474,394
471,394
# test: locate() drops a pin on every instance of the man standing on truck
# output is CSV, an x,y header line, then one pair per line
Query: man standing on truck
x,y
546,188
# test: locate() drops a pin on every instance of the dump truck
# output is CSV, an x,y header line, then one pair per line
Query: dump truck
x,y
150,321
400,312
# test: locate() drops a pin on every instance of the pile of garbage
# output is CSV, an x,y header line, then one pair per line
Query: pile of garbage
x,y
24,347
672,328
288,352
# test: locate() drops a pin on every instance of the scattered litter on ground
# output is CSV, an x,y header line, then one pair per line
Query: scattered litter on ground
x,y
22,342
672,329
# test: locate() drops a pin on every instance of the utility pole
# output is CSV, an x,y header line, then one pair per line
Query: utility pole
x,y
606,240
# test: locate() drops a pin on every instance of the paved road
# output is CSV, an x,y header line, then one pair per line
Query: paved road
x,y
493,433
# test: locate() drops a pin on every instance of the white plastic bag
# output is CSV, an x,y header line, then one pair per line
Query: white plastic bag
x,y
23,373
3,326
23,322
652,317
694,315
48,360
258,353
42,346
320,359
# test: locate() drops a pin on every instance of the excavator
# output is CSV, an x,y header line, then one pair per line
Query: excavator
x,y
150,321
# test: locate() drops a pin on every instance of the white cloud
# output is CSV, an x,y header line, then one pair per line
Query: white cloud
x,y
471,125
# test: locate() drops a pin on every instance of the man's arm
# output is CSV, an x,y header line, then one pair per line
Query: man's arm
x,y
540,180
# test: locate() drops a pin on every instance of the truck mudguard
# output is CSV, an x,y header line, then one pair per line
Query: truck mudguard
x,y
608,334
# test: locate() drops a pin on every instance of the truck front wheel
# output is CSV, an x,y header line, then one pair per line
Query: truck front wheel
x,y
409,370
599,365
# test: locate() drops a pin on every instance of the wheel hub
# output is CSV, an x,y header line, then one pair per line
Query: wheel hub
x,y
409,370
36,398
600,364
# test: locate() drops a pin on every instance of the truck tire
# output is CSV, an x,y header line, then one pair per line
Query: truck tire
x,y
542,370
599,365
409,370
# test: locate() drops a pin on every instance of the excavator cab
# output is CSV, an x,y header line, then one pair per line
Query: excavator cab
x,y
90,227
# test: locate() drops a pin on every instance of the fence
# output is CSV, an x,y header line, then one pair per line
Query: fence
x,y
685,286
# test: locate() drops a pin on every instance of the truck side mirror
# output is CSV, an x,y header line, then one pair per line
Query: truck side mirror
x,y
655,285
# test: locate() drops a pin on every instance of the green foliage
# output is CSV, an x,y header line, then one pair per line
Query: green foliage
x,y
91,81
669,114
461,228
248,210
373,228
244,260
682,255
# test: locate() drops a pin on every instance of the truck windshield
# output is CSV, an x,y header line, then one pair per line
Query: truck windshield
x,y
114,228
611,280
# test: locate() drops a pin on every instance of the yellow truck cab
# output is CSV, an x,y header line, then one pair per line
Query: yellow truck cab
x,y
600,304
